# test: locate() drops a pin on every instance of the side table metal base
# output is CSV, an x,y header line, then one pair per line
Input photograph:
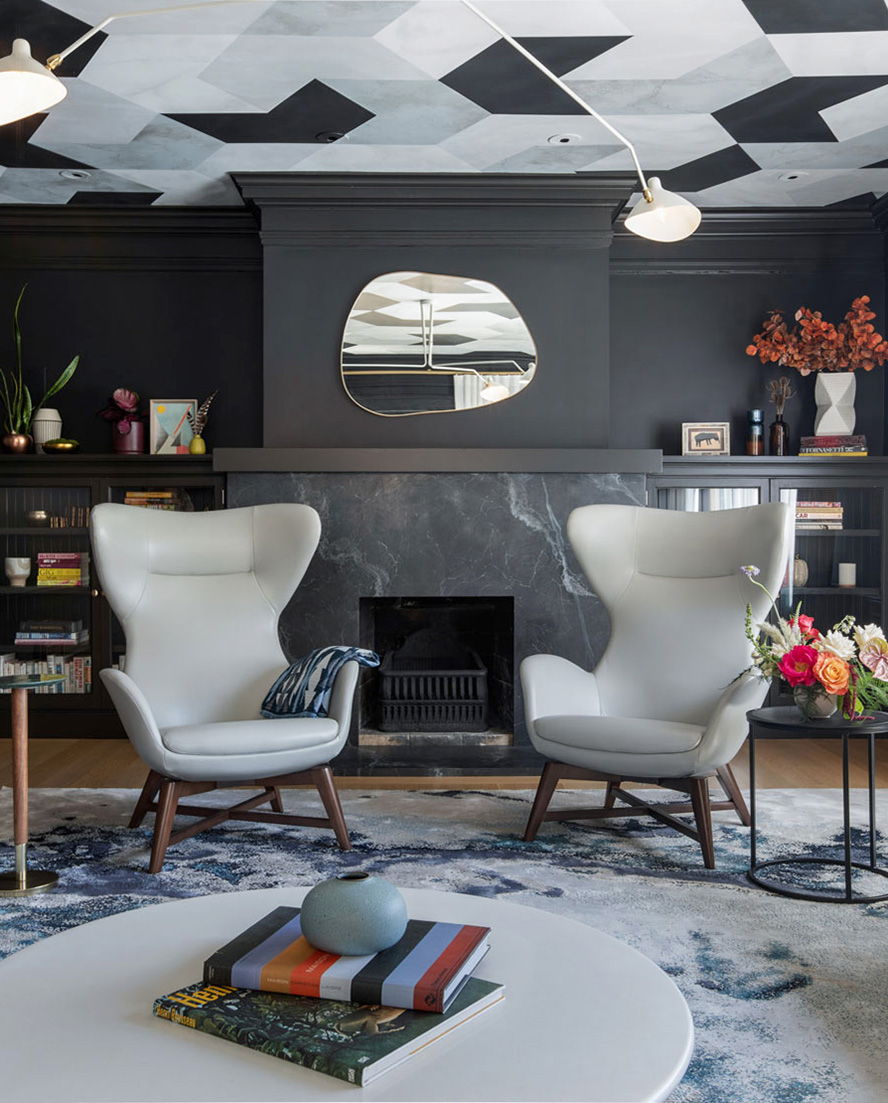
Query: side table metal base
x,y
35,880
834,896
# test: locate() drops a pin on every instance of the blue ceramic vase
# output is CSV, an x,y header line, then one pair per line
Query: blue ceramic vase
x,y
354,913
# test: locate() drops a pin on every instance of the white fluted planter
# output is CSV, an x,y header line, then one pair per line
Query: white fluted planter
x,y
834,393
45,425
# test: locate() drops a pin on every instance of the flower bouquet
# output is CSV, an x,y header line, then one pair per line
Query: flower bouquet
x,y
849,662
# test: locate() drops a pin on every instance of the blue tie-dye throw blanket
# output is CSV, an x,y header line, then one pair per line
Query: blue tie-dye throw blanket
x,y
305,686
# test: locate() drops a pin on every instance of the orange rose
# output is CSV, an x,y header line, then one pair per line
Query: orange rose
x,y
832,673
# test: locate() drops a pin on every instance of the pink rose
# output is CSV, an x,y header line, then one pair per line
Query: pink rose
x,y
874,657
797,665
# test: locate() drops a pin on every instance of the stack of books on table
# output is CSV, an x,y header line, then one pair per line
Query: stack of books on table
x,y
818,516
350,1017
853,445
153,499
63,568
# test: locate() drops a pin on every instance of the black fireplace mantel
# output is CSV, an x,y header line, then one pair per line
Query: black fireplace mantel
x,y
599,461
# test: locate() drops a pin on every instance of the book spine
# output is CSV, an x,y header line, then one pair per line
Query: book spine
x,y
429,992
59,572
823,453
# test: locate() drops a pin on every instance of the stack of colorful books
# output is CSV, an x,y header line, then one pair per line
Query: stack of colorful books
x,y
63,568
152,499
849,445
350,1017
51,633
818,516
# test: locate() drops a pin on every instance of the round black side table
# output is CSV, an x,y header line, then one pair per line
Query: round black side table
x,y
787,722
21,881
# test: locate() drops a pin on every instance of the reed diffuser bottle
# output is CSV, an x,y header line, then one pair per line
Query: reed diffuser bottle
x,y
779,391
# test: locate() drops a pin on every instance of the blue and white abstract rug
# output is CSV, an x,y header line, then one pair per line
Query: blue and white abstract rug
x,y
788,996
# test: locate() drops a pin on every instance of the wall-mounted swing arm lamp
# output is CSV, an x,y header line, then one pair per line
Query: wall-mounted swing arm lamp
x,y
27,87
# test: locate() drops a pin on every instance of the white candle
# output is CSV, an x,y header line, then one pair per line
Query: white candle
x,y
847,574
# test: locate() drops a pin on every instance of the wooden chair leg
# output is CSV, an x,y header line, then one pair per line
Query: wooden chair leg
x,y
163,824
729,783
323,779
276,802
146,798
610,794
547,786
703,816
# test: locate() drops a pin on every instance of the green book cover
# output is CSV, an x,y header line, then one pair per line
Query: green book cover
x,y
355,1042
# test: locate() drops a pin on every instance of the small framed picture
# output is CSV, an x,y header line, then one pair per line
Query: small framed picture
x,y
170,428
704,438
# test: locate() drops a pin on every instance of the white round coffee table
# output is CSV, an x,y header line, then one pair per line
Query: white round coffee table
x,y
585,1017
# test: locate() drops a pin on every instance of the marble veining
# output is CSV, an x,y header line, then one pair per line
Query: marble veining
x,y
445,535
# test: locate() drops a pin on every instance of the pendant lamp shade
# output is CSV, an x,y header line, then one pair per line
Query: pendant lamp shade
x,y
26,86
663,217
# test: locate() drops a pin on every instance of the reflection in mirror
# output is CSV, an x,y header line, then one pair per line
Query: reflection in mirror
x,y
417,343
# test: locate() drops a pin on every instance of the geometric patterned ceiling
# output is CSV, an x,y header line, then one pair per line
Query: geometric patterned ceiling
x,y
731,102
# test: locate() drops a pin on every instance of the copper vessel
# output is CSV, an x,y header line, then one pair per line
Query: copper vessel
x,y
17,442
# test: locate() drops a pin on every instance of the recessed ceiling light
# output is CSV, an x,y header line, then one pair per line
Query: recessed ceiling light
x,y
74,174
327,136
564,139
795,175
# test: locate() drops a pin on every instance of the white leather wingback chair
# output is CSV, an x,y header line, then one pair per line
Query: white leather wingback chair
x,y
199,596
666,704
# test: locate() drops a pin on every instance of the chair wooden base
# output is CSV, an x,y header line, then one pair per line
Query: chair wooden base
x,y
697,788
169,792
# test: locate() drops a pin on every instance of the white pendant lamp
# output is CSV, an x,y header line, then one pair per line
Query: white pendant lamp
x,y
661,215
26,86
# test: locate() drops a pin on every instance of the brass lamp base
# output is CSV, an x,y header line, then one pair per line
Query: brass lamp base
x,y
34,880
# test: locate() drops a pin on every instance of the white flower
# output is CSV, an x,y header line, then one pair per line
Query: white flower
x,y
836,644
864,635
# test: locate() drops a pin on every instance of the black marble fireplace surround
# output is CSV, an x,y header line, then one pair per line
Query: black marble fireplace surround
x,y
441,534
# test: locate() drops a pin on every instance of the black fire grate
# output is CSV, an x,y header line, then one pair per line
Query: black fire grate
x,y
432,683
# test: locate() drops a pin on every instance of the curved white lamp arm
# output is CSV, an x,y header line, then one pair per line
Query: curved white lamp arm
x,y
564,88
56,59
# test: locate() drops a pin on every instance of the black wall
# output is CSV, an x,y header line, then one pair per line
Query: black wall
x,y
166,303
683,314
170,303
543,240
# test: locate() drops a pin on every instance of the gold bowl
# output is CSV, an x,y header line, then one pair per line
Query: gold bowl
x,y
61,447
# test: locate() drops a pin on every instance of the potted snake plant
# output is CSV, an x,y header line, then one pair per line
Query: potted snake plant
x,y
16,396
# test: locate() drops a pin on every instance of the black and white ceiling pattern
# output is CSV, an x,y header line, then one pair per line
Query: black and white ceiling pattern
x,y
732,102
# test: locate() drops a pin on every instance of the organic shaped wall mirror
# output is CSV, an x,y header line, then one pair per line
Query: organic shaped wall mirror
x,y
416,343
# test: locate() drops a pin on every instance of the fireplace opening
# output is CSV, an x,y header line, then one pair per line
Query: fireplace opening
x,y
446,672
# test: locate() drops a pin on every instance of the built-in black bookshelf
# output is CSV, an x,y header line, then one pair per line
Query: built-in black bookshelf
x,y
45,502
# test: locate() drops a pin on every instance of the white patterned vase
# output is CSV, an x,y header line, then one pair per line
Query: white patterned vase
x,y
834,394
814,702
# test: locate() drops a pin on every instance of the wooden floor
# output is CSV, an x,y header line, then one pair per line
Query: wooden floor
x,y
113,764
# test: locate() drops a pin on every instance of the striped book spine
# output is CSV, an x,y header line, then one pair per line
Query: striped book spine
x,y
418,972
